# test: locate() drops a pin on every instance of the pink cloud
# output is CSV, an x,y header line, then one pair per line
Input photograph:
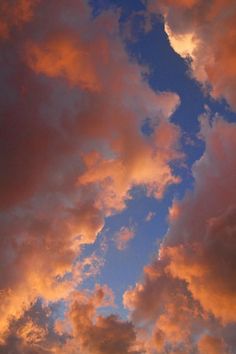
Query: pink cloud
x,y
205,32
150,216
69,89
123,236
189,289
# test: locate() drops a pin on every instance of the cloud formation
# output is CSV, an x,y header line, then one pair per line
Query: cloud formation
x,y
72,148
72,108
82,330
96,334
205,31
189,290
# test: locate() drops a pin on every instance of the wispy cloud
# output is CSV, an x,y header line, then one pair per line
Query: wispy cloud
x,y
123,237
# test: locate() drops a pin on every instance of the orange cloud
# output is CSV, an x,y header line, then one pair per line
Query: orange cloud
x,y
212,345
189,290
31,332
63,57
162,306
15,15
70,89
34,331
96,334
147,166
205,32
205,257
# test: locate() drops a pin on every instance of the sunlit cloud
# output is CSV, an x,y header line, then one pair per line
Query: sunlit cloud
x,y
71,144
206,33
83,178
189,288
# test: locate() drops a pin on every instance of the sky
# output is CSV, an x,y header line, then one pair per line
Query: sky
x,y
117,177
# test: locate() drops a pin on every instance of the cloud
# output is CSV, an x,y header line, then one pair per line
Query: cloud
x,y
82,330
15,15
122,237
148,166
205,31
71,148
163,308
96,334
211,345
189,288
33,332
150,216
201,239
63,57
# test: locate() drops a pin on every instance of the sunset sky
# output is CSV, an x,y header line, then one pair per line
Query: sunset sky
x,y
118,177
